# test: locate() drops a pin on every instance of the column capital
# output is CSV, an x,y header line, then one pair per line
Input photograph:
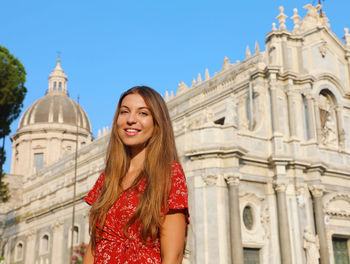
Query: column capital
x,y
31,233
339,107
58,223
317,190
280,186
233,179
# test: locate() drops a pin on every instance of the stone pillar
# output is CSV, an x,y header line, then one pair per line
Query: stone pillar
x,y
30,249
57,242
235,219
318,121
311,117
291,114
317,193
283,222
340,126
274,106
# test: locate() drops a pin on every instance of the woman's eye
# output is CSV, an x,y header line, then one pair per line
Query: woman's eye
x,y
144,113
123,112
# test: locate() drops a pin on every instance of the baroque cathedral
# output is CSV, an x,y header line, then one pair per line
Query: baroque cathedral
x,y
265,146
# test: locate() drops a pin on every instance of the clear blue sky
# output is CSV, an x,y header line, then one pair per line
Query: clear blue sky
x,y
108,46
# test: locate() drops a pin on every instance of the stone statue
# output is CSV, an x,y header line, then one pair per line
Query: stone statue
x,y
312,246
329,136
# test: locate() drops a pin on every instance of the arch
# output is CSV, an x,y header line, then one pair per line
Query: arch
x,y
328,120
19,251
328,82
76,235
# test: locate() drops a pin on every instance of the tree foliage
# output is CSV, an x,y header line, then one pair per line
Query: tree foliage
x,y
12,93
12,90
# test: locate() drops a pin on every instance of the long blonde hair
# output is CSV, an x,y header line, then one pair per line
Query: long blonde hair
x,y
160,154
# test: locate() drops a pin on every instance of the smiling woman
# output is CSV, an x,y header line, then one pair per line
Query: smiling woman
x,y
135,122
139,203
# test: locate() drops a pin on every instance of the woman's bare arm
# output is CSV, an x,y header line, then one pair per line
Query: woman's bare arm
x,y
172,238
88,258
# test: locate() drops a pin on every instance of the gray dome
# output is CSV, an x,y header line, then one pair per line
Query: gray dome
x,y
55,108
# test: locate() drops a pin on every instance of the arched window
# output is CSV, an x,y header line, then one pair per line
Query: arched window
x,y
54,85
44,244
75,235
19,251
59,86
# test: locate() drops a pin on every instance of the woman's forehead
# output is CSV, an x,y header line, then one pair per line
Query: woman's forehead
x,y
134,101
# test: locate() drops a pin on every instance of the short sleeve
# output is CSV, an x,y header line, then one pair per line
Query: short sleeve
x,y
95,191
178,196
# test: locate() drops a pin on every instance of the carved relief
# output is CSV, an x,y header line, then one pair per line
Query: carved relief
x,y
210,180
337,204
323,49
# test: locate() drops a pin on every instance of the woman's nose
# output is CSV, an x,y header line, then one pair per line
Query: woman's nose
x,y
131,118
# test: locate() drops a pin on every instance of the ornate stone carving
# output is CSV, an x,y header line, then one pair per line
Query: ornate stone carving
x,y
31,233
210,180
282,19
58,223
312,246
226,63
347,37
317,190
323,49
296,19
280,186
233,179
337,204
265,220
181,88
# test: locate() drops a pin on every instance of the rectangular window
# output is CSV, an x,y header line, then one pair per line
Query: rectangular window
x,y
38,161
341,250
251,255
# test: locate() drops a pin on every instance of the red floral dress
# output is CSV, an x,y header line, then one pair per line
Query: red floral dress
x,y
114,247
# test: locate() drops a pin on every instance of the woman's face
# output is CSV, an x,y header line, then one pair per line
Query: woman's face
x,y
135,122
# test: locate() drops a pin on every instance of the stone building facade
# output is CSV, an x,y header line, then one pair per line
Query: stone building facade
x,y
265,145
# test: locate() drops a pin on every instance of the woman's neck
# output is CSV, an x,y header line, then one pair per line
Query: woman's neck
x,y
137,159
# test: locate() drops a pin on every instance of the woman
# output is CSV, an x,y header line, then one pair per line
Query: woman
x,y
139,204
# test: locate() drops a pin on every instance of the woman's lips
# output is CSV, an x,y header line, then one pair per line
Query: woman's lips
x,y
131,131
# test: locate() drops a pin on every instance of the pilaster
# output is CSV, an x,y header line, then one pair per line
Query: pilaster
x,y
30,249
311,117
235,219
57,242
317,120
317,193
340,126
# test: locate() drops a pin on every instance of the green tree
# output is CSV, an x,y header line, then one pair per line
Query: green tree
x,y
12,93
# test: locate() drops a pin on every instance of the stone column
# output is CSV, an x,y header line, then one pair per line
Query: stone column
x,y
318,121
311,117
57,242
291,114
340,126
283,222
235,219
317,193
